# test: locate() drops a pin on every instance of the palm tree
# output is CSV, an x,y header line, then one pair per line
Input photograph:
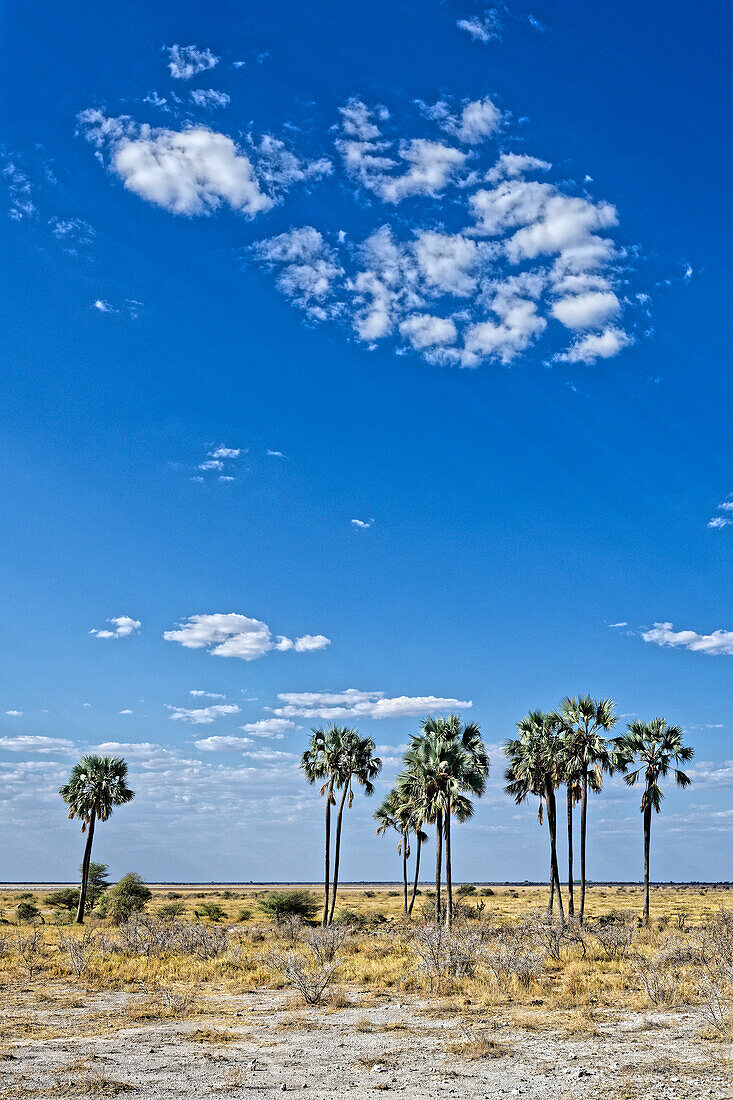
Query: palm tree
x,y
393,813
433,763
470,779
656,748
96,785
355,762
581,721
413,805
320,762
534,767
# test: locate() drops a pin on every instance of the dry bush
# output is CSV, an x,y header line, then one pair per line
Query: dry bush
x,y
157,936
163,1001
442,954
512,956
81,950
308,973
712,946
83,1078
325,943
475,1046
29,950
291,927
658,977
614,936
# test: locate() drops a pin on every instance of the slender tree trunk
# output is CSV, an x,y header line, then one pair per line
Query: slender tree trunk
x,y
647,842
583,819
85,871
438,862
448,872
417,873
404,870
327,876
337,852
552,821
551,900
571,899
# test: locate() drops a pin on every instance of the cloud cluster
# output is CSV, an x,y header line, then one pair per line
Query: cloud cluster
x,y
32,743
233,635
120,627
484,28
724,520
201,716
530,258
352,703
186,61
715,644
196,170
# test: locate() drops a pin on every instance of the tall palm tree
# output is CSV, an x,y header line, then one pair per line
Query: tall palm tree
x,y
394,813
96,785
534,768
583,721
414,805
356,761
320,761
470,779
656,748
433,762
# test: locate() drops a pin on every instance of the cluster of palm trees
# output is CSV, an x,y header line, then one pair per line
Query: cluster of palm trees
x,y
444,766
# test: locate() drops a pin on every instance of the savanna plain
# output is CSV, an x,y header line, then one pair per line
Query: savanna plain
x,y
238,991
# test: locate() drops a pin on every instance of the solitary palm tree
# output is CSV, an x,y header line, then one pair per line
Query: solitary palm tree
x,y
96,785
320,762
469,779
534,768
581,721
656,748
355,762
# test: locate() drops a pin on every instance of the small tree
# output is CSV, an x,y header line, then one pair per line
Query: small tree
x,y
280,904
97,882
130,895
68,898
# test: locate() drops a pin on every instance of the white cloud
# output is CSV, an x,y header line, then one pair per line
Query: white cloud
x,y
209,99
205,694
480,119
186,61
201,716
364,524
308,643
233,635
448,262
590,310
611,625
30,743
426,331
485,29
14,713
718,522
20,193
360,704
715,644
514,165
269,727
225,452
222,744
126,711
597,345
141,750
121,627
308,268
275,454
280,169
103,306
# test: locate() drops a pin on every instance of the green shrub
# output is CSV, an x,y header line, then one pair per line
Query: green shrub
x,y
211,910
487,892
25,896
466,889
279,904
352,918
171,910
244,914
26,911
130,895
68,898
173,896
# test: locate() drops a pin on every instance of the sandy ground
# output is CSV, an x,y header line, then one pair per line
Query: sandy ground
x,y
69,1048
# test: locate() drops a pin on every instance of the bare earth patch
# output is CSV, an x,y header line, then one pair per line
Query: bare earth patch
x,y
262,1044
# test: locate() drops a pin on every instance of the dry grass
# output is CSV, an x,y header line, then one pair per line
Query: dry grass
x,y
475,1047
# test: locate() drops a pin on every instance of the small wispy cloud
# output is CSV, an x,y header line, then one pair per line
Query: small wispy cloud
x,y
186,61
725,520
363,524
484,28
715,644
29,743
14,713
206,694
209,99
121,626
201,716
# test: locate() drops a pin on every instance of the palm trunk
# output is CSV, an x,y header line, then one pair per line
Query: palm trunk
x,y
551,876
571,899
552,822
438,861
583,818
337,852
417,873
404,870
327,876
448,872
647,841
85,871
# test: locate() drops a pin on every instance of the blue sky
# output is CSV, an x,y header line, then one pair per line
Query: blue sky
x,y
455,272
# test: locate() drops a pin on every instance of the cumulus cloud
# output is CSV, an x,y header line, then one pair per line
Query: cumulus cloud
x,y
186,61
352,703
201,716
718,522
233,635
597,345
477,120
209,99
222,744
307,270
362,524
14,713
269,727
120,627
31,743
715,644
485,28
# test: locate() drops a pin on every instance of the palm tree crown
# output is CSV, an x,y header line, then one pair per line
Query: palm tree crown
x,y
656,748
96,785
